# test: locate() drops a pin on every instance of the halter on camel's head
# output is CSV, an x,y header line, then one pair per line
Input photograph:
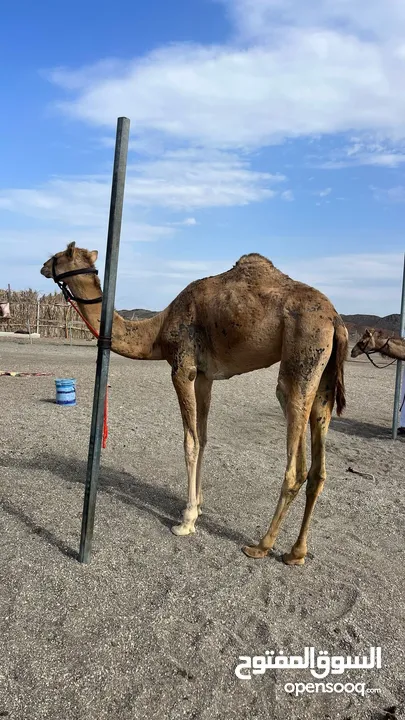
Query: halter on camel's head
x,y
368,346
71,257
365,343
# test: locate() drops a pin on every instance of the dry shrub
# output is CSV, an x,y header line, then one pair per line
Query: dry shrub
x,y
56,317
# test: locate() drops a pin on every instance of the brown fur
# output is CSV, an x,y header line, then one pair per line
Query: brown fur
x,y
341,344
247,318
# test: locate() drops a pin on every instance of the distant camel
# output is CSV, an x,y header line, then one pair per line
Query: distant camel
x,y
374,341
247,318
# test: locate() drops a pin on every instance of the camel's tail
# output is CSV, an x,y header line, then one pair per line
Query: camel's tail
x,y
338,358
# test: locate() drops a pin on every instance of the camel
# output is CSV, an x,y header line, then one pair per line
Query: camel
x,y
373,341
245,319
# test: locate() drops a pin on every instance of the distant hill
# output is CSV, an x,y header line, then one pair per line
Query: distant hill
x,y
389,322
136,314
356,324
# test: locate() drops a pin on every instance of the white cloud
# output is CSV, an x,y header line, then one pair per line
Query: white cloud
x,y
196,178
366,150
183,270
304,68
75,201
187,221
391,160
287,195
191,267
323,193
180,180
390,195
387,160
358,268
23,252
260,19
363,282
151,145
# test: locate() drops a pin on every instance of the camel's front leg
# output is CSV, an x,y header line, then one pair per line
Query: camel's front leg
x,y
183,381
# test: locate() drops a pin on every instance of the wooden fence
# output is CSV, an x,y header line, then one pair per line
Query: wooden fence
x,y
49,315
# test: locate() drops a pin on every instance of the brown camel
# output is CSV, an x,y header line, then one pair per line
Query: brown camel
x,y
247,318
374,341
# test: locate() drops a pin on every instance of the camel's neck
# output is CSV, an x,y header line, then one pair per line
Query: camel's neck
x,y
395,348
137,339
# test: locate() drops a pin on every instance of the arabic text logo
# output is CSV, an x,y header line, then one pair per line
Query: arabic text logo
x,y
320,667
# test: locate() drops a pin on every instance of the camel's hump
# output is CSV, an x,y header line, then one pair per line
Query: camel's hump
x,y
253,258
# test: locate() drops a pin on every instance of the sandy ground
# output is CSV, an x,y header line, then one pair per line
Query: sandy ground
x,y
154,626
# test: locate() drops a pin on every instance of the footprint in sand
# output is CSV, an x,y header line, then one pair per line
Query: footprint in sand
x,y
338,600
329,603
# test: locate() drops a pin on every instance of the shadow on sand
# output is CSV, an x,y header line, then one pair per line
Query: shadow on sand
x,y
36,529
155,500
348,426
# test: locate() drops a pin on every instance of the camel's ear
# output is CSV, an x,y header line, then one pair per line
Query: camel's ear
x,y
368,332
70,251
93,255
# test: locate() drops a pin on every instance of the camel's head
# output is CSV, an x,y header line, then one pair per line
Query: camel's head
x,y
72,258
366,343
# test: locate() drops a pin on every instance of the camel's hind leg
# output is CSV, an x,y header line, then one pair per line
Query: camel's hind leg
x,y
301,465
319,419
296,392
203,397
297,410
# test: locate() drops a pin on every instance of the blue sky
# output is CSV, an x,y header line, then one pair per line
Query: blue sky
x,y
272,126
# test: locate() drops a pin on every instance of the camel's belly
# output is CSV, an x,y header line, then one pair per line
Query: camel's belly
x,y
219,375
242,358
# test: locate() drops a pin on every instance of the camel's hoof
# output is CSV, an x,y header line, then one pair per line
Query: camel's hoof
x,y
183,529
254,551
289,559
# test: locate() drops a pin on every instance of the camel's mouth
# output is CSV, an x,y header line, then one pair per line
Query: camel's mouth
x,y
46,271
355,352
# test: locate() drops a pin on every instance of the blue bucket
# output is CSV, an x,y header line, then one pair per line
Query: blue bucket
x,y
65,391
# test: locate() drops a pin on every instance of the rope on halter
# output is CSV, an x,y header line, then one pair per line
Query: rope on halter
x,y
379,367
96,335
367,354
402,403
103,342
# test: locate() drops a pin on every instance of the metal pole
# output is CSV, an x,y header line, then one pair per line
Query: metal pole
x,y
397,396
104,342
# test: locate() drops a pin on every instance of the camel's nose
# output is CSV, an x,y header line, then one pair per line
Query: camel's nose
x,y
45,271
